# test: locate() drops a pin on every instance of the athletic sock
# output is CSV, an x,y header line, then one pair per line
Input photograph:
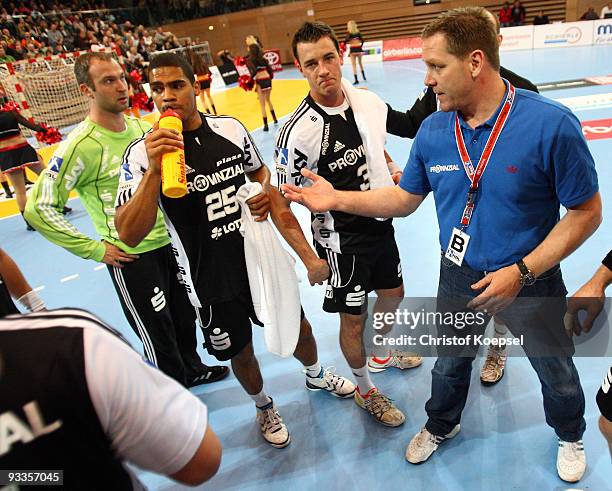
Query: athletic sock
x,y
314,371
214,109
362,378
265,120
356,81
273,115
363,74
261,399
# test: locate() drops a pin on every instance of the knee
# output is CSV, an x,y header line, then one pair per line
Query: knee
x,y
561,380
352,325
245,356
305,330
605,426
566,389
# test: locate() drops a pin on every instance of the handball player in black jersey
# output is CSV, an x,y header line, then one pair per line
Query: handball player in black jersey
x,y
322,136
204,228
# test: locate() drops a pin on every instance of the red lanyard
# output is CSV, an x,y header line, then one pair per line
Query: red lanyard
x,y
475,175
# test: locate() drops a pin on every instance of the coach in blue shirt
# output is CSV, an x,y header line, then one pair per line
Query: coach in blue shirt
x,y
499,162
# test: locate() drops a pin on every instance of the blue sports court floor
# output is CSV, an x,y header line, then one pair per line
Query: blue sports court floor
x,y
504,443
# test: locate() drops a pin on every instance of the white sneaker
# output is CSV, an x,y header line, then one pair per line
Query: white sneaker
x,y
424,444
396,359
381,407
571,461
336,385
493,368
272,427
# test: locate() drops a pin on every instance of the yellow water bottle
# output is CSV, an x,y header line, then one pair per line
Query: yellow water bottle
x,y
174,182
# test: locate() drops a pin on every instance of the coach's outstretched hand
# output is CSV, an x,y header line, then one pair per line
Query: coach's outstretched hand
x,y
318,198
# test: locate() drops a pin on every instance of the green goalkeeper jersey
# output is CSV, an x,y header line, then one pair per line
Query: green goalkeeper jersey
x,y
88,161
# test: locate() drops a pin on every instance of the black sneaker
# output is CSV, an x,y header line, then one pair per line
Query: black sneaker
x,y
66,210
265,128
208,375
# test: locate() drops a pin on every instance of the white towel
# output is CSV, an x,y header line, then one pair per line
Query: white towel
x,y
371,118
272,278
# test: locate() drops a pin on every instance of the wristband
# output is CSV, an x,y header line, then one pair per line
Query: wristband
x,y
32,301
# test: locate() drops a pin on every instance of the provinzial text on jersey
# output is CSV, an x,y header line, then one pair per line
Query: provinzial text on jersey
x,y
202,182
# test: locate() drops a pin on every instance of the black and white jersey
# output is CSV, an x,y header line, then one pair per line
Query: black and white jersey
x,y
7,306
327,141
204,224
77,397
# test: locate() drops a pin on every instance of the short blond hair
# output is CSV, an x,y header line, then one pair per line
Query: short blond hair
x,y
466,29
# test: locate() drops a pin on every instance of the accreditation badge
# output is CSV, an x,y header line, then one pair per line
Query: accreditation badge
x,y
457,246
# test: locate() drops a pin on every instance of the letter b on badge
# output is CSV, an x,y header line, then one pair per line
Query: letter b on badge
x,y
457,246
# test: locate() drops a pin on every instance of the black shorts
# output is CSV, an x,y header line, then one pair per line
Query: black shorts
x,y
604,396
227,327
264,83
17,157
205,83
353,276
356,50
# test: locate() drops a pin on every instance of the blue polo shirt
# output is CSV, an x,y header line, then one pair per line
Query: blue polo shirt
x,y
541,160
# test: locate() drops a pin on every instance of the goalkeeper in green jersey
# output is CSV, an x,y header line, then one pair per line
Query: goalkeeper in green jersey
x,y
145,277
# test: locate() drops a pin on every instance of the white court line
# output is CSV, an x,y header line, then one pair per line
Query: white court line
x,y
99,267
68,278
38,288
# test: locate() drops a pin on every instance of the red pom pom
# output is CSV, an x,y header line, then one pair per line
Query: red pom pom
x,y
137,100
141,101
11,106
49,136
135,74
246,82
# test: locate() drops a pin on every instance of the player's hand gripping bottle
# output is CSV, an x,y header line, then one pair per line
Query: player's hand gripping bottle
x,y
174,182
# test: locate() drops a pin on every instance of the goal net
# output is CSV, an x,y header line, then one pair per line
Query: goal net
x,y
46,89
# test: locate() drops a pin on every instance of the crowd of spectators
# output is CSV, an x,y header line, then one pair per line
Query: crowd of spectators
x,y
512,15
591,14
179,10
33,29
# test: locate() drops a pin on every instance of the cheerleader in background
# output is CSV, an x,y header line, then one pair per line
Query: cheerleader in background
x,y
262,74
354,40
202,71
16,154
